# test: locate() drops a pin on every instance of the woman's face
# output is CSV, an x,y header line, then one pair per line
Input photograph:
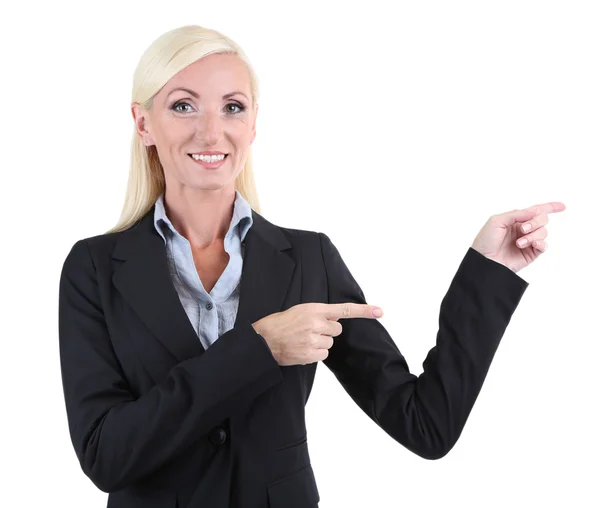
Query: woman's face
x,y
215,114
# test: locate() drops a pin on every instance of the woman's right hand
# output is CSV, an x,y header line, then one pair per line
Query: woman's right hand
x,y
304,333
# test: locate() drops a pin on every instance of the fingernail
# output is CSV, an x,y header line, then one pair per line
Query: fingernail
x,y
522,241
377,312
526,227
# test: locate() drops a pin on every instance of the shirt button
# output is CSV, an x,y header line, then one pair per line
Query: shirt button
x,y
209,306
217,436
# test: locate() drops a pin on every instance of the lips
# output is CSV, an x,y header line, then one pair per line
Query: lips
x,y
190,154
209,165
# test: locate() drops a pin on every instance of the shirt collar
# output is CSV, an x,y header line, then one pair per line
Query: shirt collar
x,y
242,215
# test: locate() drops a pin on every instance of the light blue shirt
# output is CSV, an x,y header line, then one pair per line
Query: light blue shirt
x,y
211,314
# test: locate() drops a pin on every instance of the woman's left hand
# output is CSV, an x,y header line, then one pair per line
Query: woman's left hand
x,y
499,238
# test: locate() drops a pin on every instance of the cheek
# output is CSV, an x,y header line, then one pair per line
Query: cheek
x,y
172,129
242,137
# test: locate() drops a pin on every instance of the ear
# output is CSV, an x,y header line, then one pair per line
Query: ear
x,y
141,120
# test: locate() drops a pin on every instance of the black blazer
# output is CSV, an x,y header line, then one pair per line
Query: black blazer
x,y
157,421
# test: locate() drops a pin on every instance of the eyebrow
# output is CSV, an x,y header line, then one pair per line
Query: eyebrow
x,y
194,94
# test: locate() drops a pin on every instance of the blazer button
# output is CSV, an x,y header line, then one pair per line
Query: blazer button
x,y
217,436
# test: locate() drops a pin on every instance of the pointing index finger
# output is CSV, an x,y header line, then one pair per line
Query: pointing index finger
x,y
551,207
347,310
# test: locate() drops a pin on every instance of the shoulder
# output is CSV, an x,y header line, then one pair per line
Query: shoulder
x,y
298,238
307,238
300,235
91,250
98,244
313,246
313,243
317,249
83,255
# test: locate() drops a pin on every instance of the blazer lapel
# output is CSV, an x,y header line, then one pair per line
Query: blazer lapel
x,y
145,282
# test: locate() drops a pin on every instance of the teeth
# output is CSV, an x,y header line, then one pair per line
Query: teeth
x,y
208,158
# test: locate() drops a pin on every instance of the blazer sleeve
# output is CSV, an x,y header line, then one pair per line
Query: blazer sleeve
x,y
119,438
425,413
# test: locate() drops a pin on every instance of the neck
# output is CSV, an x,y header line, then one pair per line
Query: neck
x,y
202,216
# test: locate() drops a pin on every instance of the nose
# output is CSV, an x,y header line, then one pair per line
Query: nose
x,y
210,128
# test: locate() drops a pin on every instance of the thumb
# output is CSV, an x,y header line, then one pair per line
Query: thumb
x,y
510,218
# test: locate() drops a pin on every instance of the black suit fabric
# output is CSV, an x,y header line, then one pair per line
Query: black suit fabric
x,y
157,421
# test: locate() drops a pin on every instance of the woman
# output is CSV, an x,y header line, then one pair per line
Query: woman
x,y
190,332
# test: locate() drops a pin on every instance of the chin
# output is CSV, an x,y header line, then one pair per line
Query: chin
x,y
209,184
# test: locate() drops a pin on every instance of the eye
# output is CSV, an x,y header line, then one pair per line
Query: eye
x,y
240,107
177,104
237,105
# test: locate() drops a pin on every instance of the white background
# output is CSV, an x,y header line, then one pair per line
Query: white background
x,y
397,128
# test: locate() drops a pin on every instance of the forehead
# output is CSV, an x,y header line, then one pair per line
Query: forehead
x,y
214,73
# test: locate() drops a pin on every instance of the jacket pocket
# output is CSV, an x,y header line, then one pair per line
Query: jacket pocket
x,y
298,490
296,442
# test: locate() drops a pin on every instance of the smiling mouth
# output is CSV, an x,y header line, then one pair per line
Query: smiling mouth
x,y
226,155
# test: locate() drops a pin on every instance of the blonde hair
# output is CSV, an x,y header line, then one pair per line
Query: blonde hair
x,y
165,57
